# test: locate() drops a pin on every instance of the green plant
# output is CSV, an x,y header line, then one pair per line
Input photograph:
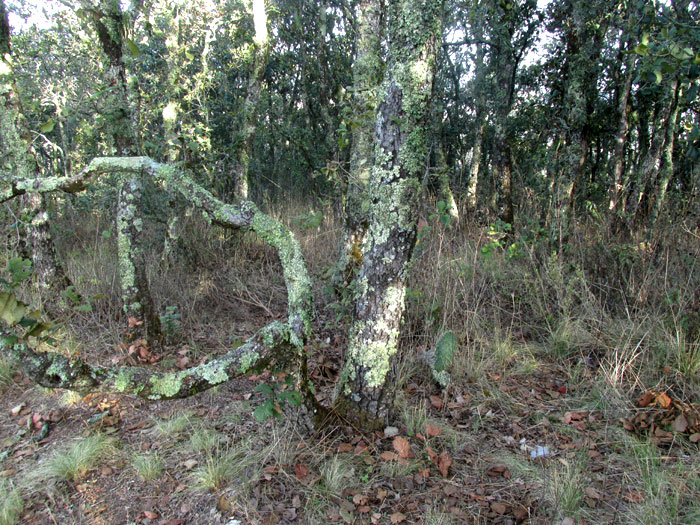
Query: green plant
x,y
148,466
205,439
445,351
222,465
276,395
11,503
72,462
18,270
566,491
170,321
414,417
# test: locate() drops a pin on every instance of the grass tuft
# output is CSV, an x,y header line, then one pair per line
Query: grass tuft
x,y
8,368
148,466
11,503
72,462
224,465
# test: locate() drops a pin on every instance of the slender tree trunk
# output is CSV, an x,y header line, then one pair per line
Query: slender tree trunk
x,y
445,186
367,74
623,109
503,176
650,165
364,391
472,189
666,169
616,192
20,164
241,155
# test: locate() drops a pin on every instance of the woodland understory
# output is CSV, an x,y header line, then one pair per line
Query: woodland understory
x,y
369,261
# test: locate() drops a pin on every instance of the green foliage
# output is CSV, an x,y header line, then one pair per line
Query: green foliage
x,y
276,395
445,351
18,270
170,321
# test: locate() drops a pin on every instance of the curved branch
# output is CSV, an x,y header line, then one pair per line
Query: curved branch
x,y
281,342
58,371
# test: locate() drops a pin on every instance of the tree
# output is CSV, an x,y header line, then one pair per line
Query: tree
x,y
402,131
415,32
20,164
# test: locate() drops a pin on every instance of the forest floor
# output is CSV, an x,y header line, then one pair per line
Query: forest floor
x,y
531,437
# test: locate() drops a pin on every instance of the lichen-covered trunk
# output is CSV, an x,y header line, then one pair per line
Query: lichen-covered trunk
x,y
584,40
143,321
666,169
280,342
650,166
472,189
49,273
616,191
503,176
261,53
367,74
137,301
365,393
445,194
623,109
19,164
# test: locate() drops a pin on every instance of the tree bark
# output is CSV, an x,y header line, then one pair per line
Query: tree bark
x,y
367,74
261,52
143,321
20,165
666,168
650,165
364,392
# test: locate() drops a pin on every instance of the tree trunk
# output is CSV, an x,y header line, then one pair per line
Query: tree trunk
x,y
367,74
666,169
650,165
261,54
280,342
472,201
623,109
20,164
143,321
364,391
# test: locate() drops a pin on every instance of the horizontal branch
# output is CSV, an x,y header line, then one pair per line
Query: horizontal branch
x,y
272,343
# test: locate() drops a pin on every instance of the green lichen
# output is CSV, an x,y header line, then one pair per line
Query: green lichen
x,y
58,368
299,294
213,373
374,342
166,385
123,380
248,360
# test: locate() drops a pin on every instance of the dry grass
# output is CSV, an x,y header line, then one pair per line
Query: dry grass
x,y
613,320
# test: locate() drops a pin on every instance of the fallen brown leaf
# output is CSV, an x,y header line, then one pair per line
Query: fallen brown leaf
x,y
436,401
432,430
402,447
398,517
388,455
301,471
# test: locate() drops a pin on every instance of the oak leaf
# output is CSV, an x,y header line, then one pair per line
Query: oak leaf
x,y
402,447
